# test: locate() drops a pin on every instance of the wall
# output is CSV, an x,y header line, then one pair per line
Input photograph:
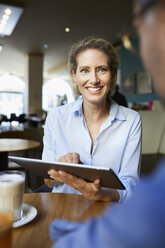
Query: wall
x,y
131,63
34,78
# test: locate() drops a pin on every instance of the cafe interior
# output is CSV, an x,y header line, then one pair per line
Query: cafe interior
x,y
34,77
35,38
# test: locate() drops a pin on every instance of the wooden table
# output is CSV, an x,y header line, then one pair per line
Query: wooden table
x,y
13,145
52,206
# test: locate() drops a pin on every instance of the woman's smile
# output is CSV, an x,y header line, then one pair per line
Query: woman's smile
x,y
94,90
93,75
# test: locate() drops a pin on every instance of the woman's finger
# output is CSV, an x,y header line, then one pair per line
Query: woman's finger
x,y
49,182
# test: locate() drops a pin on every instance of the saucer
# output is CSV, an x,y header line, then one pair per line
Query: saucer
x,y
29,213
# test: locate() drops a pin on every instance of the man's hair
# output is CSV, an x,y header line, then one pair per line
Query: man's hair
x,y
145,5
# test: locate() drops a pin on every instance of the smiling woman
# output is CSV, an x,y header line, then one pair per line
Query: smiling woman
x,y
93,130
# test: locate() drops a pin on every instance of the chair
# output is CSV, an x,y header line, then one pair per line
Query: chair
x,y
13,117
3,118
22,118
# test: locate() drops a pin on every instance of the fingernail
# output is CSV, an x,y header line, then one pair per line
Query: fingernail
x,y
50,172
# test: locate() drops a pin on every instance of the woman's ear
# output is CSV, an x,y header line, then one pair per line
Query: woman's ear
x,y
74,78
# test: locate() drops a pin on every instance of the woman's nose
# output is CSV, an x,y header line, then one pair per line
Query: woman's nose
x,y
94,77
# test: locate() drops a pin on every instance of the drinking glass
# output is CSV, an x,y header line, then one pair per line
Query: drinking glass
x,y
11,192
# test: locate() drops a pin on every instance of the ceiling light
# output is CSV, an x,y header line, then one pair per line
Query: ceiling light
x,y
67,30
9,16
5,17
45,46
126,41
7,11
128,44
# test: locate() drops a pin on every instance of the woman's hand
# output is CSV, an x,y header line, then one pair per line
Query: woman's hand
x,y
68,158
50,182
89,190
73,158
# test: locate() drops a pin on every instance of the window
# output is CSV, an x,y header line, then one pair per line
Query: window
x,y
11,95
56,92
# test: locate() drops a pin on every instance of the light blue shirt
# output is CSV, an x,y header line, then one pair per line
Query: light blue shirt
x,y
118,145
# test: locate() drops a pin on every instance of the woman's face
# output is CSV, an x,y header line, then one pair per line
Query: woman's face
x,y
93,75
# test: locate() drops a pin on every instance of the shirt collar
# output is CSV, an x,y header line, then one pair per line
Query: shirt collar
x,y
77,108
116,112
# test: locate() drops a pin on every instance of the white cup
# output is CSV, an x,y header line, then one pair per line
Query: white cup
x,y
11,192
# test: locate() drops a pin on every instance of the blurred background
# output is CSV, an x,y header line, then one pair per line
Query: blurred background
x,y
35,38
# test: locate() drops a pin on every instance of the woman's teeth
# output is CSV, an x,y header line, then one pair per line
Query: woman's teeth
x,y
94,89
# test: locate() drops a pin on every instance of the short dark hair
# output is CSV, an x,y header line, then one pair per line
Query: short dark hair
x,y
98,44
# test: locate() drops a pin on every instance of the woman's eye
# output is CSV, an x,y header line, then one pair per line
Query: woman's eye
x,y
102,69
84,71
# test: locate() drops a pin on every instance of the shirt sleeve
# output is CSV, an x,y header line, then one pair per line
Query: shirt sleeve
x,y
138,222
49,151
131,160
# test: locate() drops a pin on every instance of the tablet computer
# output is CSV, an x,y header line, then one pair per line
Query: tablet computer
x,y
88,172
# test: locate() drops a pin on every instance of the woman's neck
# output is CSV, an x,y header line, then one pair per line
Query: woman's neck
x,y
96,112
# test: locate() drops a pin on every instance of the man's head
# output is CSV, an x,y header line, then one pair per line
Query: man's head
x,y
150,24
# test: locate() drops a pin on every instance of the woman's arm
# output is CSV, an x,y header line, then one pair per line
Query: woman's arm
x,y
131,161
48,153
